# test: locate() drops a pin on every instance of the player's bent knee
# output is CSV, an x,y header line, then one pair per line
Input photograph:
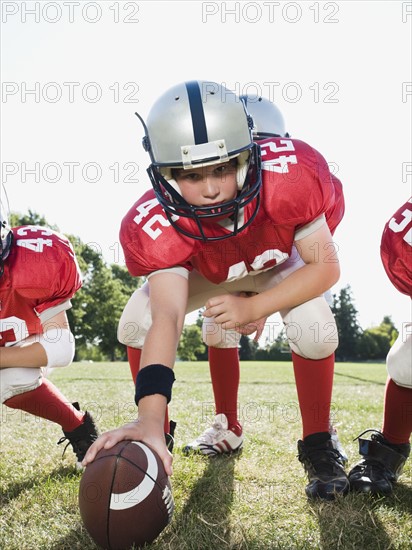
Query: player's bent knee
x,y
15,381
312,343
311,329
313,351
215,336
58,343
399,362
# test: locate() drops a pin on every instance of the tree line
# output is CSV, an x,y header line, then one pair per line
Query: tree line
x,y
98,305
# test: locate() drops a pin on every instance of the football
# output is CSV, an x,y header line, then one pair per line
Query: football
x,y
125,496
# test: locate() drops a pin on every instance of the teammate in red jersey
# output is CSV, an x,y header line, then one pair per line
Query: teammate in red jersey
x,y
226,434
217,223
385,454
38,277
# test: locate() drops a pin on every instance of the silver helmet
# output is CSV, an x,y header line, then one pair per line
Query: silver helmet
x,y
195,124
5,230
267,118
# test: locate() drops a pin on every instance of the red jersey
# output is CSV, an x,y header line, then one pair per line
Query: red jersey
x,y
334,214
396,248
297,188
40,272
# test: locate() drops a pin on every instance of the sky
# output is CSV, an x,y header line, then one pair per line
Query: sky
x,y
74,73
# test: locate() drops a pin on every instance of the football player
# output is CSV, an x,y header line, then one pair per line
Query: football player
x,y
226,434
39,275
227,216
385,453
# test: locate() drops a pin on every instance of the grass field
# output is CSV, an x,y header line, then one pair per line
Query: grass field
x,y
255,501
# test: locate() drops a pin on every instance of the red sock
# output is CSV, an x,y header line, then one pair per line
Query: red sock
x,y
134,355
397,413
314,382
225,374
47,402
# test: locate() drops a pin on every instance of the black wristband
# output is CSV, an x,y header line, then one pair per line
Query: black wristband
x,y
154,379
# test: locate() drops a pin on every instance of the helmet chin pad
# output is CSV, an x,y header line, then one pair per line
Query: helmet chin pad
x,y
241,170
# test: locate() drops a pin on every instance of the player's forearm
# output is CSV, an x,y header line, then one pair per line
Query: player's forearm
x,y
30,356
306,283
159,349
153,407
161,343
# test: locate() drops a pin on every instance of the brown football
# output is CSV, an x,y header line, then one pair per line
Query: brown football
x,y
125,496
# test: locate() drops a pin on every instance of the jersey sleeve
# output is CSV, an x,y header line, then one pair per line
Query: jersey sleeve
x,y
148,240
47,314
336,211
298,183
396,249
320,195
67,280
51,275
311,227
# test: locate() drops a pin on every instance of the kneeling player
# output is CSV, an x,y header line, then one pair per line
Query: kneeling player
x,y
385,454
219,223
38,276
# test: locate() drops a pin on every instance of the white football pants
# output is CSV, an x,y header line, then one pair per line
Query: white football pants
x,y
310,327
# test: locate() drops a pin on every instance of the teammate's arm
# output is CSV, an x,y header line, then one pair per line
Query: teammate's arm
x,y
319,274
33,353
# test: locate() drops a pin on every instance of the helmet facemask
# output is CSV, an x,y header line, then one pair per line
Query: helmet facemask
x,y
175,206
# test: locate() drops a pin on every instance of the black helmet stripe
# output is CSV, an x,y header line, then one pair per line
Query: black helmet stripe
x,y
196,110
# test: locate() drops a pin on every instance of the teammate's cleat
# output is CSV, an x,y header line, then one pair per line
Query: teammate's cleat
x,y
169,437
218,439
343,457
321,461
81,438
381,465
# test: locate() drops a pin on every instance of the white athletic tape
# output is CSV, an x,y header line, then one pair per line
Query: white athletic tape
x,y
215,336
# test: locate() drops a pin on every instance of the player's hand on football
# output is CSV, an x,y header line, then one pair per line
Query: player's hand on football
x,y
139,430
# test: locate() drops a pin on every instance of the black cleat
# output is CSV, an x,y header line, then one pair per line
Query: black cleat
x,y
381,465
326,475
170,436
81,438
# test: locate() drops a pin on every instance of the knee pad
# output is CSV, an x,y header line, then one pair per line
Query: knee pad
x,y
15,381
58,343
311,329
399,358
136,319
215,336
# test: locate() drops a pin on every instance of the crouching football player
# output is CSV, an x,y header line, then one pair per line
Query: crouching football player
x,y
385,453
38,276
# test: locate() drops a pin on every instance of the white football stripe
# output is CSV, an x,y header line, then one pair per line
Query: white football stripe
x,y
122,501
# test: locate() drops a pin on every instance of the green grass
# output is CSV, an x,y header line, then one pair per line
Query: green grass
x,y
255,501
